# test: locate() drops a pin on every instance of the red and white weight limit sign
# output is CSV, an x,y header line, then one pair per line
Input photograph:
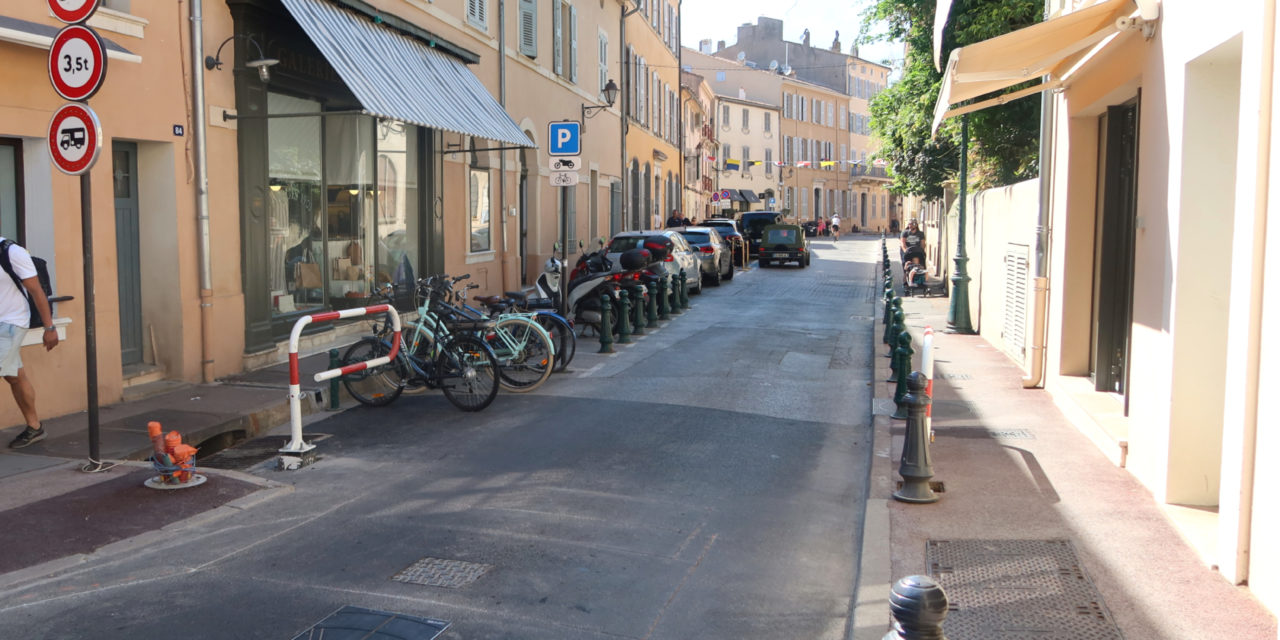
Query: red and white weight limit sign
x,y
73,11
77,62
75,138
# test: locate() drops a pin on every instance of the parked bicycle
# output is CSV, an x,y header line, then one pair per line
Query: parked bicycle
x,y
435,352
525,351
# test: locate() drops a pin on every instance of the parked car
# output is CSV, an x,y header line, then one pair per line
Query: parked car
x,y
681,257
713,253
752,224
732,236
784,243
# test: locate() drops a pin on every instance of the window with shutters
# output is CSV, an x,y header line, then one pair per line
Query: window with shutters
x,y
786,105
557,37
573,43
768,162
602,46
564,35
768,122
529,28
726,152
746,158
642,81
831,116
655,125
746,119
843,119
478,14
724,116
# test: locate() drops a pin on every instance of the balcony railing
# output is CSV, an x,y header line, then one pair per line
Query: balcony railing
x,y
873,173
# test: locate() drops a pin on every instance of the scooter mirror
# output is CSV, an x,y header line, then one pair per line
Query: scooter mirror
x,y
555,246
601,241
579,245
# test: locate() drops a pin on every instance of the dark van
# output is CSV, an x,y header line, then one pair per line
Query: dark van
x,y
752,224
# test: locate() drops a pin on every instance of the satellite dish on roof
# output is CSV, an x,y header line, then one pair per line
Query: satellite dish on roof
x,y
773,65
786,69
742,55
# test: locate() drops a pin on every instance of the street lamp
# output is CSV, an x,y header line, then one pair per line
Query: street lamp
x,y
610,95
262,63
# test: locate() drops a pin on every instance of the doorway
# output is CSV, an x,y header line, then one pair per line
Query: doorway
x,y
124,173
1113,257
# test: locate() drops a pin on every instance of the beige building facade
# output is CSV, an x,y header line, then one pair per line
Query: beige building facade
x,y
1150,319
700,146
652,98
749,135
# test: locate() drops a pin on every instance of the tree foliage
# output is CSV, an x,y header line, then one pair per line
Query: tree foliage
x,y
1003,140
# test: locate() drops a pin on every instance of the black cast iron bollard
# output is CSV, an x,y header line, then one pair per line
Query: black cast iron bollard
x,y
652,307
916,466
684,290
664,305
606,325
637,309
918,605
676,309
904,367
624,318
334,363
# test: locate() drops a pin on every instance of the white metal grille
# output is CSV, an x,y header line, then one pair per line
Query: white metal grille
x,y
1015,300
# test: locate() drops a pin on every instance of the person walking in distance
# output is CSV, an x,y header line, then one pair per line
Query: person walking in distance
x,y
15,313
835,227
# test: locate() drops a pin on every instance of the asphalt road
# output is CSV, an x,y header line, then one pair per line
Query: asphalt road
x,y
706,482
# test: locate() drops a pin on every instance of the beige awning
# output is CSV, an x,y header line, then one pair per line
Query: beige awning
x,y
1045,50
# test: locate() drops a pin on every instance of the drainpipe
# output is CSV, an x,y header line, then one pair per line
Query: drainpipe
x,y
680,107
1040,303
625,66
201,165
502,155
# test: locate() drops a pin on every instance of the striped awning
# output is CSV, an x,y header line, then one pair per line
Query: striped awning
x,y
400,78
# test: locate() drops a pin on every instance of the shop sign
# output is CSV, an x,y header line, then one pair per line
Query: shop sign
x,y
75,138
77,62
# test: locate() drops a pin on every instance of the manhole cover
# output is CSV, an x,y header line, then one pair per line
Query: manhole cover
x,y
1017,589
354,623
439,572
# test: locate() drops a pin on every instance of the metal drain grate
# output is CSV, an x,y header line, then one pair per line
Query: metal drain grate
x,y
1017,434
955,376
1017,589
438,572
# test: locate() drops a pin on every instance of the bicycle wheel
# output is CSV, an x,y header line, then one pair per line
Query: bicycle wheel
x,y
467,371
377,386
562,338
525,353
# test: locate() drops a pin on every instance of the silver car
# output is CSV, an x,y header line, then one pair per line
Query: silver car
x,y
714,252
683,258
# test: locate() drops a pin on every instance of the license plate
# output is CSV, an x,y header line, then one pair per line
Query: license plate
x,y
779,255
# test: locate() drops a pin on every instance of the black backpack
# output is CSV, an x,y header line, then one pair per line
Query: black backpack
x,y
42,273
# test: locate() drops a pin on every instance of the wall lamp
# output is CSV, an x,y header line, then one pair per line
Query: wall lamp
x,y
261,63
610,95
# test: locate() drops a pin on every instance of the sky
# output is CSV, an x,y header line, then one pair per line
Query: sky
x,y
719,20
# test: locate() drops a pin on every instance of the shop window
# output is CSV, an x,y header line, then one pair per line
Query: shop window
x,y
11,203
399,228
295,201
349,211
478,209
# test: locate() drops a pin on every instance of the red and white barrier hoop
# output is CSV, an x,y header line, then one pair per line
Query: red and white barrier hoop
x,y
296,444
926,366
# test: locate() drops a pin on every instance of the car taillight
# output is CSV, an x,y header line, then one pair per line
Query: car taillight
x,y
801,249
615,277
707,249
669,258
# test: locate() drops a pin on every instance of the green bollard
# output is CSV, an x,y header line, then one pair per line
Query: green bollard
x,y
652,307
664,305
334,363
684,290
637,309
904,367
624,318
896,304
676,309
916,465
606,325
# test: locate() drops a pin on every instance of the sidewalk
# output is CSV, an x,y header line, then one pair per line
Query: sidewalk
x,y
1019,480
45,494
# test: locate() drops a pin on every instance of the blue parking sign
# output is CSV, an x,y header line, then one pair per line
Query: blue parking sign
x,y
565,137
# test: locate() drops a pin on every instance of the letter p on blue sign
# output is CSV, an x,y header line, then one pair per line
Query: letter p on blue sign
x,y
566,138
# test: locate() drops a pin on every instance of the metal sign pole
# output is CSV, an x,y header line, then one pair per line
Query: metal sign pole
x,y
90,327
564,262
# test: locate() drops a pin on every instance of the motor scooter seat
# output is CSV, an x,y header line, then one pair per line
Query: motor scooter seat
x,y
519,296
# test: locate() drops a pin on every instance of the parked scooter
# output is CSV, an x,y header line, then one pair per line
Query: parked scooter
x,y
593,277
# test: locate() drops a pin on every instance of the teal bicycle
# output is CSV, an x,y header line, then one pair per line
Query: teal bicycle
x,y
435,352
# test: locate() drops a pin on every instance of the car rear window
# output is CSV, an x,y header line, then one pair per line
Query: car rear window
x,y
697,237
780,236
755,223
625,243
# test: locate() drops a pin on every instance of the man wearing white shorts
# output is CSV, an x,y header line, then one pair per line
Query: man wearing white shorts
x,y
835,227
14,315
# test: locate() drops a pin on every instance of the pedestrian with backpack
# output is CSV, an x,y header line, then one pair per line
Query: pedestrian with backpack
x,y
23,304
